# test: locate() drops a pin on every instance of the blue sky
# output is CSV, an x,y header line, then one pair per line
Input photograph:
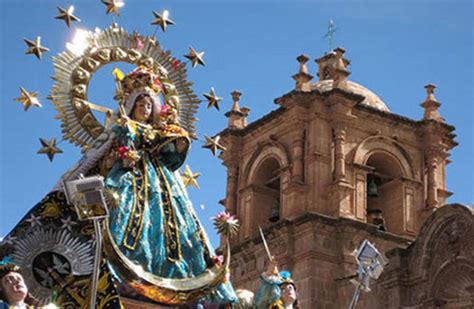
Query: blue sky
x,y
396,47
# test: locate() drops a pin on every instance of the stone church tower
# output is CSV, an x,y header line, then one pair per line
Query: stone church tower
x,y
330,167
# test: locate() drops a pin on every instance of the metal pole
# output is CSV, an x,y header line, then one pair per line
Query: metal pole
x,y
98,251
355,298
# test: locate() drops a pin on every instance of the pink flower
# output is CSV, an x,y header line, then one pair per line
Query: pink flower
x,y
165,111
138,39
226,223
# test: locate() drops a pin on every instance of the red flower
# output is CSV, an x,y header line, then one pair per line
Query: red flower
x,y
175,63
157,83
122,151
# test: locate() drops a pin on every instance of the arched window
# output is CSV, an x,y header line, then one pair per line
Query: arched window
x,y
261,201
386,186
384,192
266,202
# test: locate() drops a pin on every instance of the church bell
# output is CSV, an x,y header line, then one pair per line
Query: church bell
x,y
371,187
275,215
275,212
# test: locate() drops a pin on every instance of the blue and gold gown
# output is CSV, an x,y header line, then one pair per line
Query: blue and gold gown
x,y
155,225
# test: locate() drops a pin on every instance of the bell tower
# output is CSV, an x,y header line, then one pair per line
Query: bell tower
x,y
330,166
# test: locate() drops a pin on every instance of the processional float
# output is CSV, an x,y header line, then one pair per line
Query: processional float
x,y
65,247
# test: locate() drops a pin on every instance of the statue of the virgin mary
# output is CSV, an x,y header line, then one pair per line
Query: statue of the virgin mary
x,y
155,246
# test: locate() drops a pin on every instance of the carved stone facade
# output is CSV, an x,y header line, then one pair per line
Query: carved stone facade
x,y
437,270
312,173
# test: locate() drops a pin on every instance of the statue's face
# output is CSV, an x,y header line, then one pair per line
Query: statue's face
x,y
142,110
14,287
288,293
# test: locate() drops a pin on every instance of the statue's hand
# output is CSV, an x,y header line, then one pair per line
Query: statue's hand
x,y
123,121
272,268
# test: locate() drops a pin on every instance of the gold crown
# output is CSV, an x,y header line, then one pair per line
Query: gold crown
x,y
141,77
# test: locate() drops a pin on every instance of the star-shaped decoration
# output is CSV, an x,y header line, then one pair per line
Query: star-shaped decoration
x,y
67,15
35,48
68,223
49,148
113,6
213,144
28,99
190,178
212,99
34,220
195,57
162,20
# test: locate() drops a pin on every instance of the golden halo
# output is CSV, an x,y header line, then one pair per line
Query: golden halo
x,y
74,70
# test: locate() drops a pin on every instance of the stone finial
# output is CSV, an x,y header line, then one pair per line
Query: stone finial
x,y
302,59
430,92
302,78
431,105
236,97
237,116
246,111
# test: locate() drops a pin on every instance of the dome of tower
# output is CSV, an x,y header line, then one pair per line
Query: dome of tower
x,y
370,98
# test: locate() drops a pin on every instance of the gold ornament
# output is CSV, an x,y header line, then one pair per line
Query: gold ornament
x,y
51,210
35,48
49,148
190,178
67,15
112,198
212,99
195,57
73,74
113,6
28,99
162,20
213,144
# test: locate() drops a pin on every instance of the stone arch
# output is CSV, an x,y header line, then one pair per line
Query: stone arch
x,y
453,285
446,227
382,197
262,176
386,145
268,150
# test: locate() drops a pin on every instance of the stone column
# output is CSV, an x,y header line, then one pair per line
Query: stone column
x,y
298,156
232,181
339,156
431,167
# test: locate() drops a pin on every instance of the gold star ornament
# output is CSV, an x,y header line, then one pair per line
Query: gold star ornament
x,y
190,178
28,99
49,148
162,20
213,144
35,48
113,6
67,15
195,57
212,99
